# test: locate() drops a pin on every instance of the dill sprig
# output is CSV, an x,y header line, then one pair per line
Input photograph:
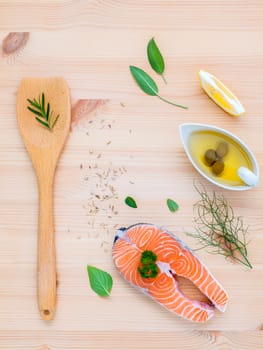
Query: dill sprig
x,y
42,111
218,228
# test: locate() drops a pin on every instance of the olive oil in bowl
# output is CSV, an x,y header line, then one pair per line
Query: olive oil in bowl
x,y
218,154
202,141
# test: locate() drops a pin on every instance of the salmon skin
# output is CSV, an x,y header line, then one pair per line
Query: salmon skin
x,y
173,258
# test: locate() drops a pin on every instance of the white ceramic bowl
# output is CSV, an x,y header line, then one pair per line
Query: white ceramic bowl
x,y
187,129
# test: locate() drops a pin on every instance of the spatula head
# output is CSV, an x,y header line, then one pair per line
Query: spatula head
x,y
42,143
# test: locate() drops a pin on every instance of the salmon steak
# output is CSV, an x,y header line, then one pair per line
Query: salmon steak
x,y
150,258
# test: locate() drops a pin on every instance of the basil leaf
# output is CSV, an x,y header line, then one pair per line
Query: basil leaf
x,y
155,58
130,202
146,83
100,281
172,205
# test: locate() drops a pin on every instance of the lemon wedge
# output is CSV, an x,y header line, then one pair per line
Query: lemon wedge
x,y
220,94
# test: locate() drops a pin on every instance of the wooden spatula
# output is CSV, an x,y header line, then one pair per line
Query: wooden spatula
x,y
44,147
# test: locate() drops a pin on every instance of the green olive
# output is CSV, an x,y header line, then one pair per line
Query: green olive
x,y
222,149
210,157
218,167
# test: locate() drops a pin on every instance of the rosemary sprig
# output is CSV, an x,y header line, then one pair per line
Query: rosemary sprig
x,y
218,228
42,112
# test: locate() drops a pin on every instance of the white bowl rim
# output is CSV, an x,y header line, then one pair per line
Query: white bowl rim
x,y
201,126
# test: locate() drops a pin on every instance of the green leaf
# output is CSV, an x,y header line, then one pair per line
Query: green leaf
x,y
100,281
43,105
43,99
155,58
42,122
146,83
130,202
35,112
55,121
172,205
48,110
34,104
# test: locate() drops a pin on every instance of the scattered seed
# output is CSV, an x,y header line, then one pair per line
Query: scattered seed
x,y
101,208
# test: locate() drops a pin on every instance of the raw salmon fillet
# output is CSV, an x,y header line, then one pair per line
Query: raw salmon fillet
x,y
173,258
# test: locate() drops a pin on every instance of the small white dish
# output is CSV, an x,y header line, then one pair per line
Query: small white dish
x,y
250,177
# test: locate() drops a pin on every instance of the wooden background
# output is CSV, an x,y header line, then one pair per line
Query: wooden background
x,y
123,142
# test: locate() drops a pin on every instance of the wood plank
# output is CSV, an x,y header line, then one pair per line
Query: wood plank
x,y
60,340
132,140
135,15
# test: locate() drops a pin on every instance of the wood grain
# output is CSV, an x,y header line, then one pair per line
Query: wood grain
x,y
129,145
134,15
214,340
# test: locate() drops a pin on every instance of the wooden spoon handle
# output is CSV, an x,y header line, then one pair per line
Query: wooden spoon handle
x,y
46,273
